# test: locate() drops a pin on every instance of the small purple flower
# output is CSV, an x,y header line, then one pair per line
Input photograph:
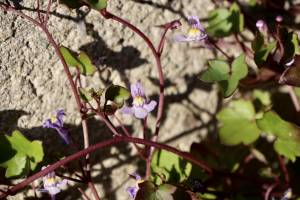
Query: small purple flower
x,y
196,32
261,26
52,184
132,191
56,122
140,106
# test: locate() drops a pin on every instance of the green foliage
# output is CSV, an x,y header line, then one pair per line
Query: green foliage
x,y
287,134
261,50
263,97
227,76
171,165
238,123
82,61
290,44
117,94
19,155
224,22
98,4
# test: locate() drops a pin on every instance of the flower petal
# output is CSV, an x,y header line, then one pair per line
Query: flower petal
x,y
195,22
59,116
63,132
140,112
182,38
132,191
127,110
137,90
150,106
53,190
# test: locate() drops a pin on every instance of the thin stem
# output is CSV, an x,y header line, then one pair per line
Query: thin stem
x,y
93,190
48,12
69,178
101,145
139,150
284,170
156,55
84,196
160,47
220,50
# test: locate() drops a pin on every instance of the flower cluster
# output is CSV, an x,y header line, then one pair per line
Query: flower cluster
x,y
56,122
140,105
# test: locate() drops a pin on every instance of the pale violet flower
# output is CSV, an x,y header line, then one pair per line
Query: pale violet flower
x,y
52,184
56,122
140,105
196,32
132,191
261,26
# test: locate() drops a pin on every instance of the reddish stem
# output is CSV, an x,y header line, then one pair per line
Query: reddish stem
x,y
156,55
101,145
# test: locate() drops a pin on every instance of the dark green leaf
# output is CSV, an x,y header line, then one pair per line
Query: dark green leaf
x,y
238,123
117,94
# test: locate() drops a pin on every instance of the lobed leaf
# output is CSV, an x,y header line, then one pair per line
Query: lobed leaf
x,y
238,123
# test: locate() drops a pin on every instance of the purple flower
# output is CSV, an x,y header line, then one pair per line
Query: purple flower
x,y
140,106
132,191
261,26
52,184
56,122
196,32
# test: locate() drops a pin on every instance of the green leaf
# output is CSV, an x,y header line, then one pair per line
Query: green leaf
x,y
83,62
28,155
219,26
238,123
69,57
85,95
288,148
172,166
258,42
223,22
261,50
288,137
87,68
237,18
271,123
263,97
98,4
117,94
218,70
227,77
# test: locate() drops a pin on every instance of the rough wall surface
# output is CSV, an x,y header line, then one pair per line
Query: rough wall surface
x,y
33,84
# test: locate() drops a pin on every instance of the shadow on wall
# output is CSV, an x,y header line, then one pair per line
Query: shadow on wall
x,y
101,55
55,149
